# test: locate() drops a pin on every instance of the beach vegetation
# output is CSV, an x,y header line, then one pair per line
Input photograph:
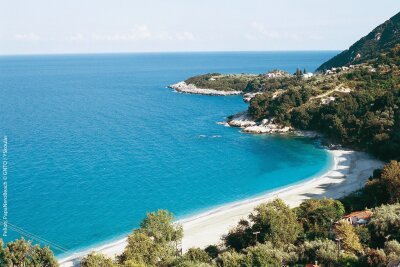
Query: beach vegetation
x,y
385,224
196,255
23,253
276,222
324,251
155,243
318,215
392,250
271,222
230,258
349,240
212,251
97,260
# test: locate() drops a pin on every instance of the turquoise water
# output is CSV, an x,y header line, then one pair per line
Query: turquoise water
x,y
95,141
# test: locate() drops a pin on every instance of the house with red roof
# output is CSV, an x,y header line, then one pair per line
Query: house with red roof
x,y
358,218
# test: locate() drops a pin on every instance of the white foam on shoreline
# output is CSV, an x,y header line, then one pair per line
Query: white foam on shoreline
x,y
348,172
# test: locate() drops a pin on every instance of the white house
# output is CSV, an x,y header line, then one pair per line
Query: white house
x,y
307,75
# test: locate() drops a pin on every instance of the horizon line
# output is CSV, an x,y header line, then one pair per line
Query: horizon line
x,y
164,52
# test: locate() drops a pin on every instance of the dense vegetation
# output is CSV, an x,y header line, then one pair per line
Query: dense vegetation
x,y
21,253
371,47
367,118
217,81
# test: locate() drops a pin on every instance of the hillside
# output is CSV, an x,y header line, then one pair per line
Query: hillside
x,y
371,48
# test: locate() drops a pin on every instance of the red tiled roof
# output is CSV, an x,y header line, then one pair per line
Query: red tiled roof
x,y
365,214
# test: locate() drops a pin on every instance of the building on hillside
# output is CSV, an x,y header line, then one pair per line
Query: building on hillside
x,y
327,100
358,218
276,74
307,75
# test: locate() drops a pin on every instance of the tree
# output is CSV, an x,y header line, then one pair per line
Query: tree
x,y
43,257
140,249
376,258
197,255
97,260
132,263
268,255
324,251
363,235
385,222
298,72
160,226
262,255
391,178
23,253
318,215
155,242
392,250
230,259
192,264
239,237
348,238
212,251
3,259
276,223
348,260
17,253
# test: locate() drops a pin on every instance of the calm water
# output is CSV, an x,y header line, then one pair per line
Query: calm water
x,y
95,141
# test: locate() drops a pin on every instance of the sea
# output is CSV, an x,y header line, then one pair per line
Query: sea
x,y
94,141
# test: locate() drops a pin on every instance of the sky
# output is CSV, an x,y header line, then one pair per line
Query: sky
x,y
97,26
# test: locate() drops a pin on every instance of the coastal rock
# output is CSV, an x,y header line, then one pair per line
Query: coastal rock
x,y
241,120
268,128
183,87
244,121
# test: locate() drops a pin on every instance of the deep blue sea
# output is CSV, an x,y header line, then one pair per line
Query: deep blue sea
x,y
95,141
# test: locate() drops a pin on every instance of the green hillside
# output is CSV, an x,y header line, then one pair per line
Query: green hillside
x,y
371,48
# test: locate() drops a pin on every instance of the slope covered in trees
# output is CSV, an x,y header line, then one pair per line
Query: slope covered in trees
x,y
371,48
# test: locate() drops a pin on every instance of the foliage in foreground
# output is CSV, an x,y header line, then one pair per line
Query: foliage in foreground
x,y
22,253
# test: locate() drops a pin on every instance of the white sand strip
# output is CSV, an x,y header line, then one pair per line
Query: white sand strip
x,y
348,173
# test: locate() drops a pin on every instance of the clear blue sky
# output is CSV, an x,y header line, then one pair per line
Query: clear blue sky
x,y
92,26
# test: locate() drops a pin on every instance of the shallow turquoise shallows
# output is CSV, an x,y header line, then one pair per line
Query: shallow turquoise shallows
x,y
95,141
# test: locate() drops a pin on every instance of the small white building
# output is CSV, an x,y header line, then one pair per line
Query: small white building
x,y
327,100
307,75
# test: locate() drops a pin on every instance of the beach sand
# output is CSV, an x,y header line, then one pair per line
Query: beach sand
x,y
349,172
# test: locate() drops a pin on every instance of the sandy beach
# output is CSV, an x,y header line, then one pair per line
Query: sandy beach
x,y
348,172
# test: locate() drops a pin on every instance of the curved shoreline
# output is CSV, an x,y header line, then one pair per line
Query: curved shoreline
x,y
348,172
